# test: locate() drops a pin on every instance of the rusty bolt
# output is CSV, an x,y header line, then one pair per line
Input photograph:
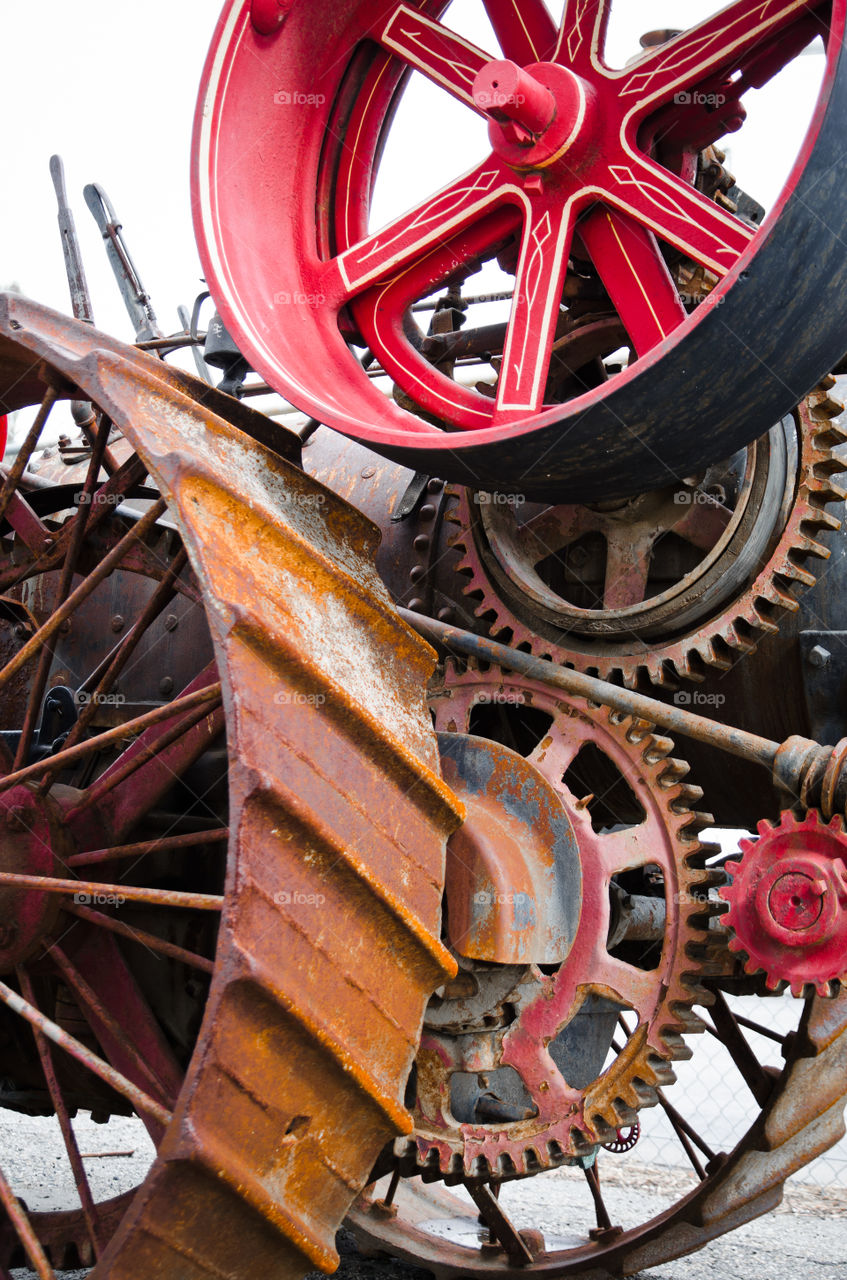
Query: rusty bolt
x,y
166,685
171,622
818,656
118,622
367,472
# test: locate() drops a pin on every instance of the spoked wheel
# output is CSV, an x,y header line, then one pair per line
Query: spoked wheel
x,y
169,941
525,1066
601,197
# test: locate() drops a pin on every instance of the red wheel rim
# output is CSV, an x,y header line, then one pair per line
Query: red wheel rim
x,y
291,285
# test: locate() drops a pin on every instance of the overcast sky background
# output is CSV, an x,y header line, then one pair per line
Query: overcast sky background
x,y
112,87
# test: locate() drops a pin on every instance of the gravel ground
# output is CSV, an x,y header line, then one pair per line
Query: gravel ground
x,y
805,1238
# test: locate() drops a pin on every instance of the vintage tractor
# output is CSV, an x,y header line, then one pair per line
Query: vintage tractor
x,y
366,928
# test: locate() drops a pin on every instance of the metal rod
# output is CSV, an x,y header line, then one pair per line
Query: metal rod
x,y
119,773
592,1177
12,480
62,759
149,940
83,591
93,1007
684,1132
98,1066
738,742
161,845
498,1223
757,1079
124,892
89,1208
23,1229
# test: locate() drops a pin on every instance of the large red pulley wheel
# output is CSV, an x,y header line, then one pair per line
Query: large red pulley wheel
x,y
589,192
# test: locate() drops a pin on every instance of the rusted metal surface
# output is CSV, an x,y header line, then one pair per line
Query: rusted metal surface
x,y
755,540
296,1082
532,1022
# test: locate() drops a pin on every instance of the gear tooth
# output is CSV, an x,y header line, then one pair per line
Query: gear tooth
x,y
824,989
795,987
657,750
731,867
763,827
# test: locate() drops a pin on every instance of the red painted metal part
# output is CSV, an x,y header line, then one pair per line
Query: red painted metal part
x,y
788,902
287,294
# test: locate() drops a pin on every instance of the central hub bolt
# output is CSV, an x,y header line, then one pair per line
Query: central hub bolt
x,y
504,91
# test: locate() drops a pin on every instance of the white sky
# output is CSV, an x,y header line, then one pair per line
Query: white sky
x,y
111,87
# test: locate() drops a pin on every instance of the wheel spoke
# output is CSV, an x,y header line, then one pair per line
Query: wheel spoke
x,y
535,309
720,43
678,213
205,699
444,57
126,892
23,1229
703,524
635,275
82,592
142,848
141,1101
627,569
423,229
583,29
141,936
524,29
758,1079
12,480
86,1199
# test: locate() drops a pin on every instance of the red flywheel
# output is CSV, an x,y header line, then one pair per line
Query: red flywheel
x,y
591,191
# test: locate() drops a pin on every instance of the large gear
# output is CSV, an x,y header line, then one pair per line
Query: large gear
x,y
752,557
636,831
788,902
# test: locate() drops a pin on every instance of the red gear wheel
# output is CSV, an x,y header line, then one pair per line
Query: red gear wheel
x,y
788,902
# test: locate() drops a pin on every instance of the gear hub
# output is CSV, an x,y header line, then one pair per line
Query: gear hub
x,y
788,902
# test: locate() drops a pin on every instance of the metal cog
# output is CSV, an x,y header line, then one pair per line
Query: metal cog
x,y
509,607
788,902
569,1122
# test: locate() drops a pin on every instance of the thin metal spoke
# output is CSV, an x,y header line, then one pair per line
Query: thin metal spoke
x,y
119,774
592,1177
86,1199
684,1132
500,1226
23,1228
164,844
66,577
130,474
149,940
759,1079
140,1100
127,892
101,680
201,698
83,591
12,480
96,1013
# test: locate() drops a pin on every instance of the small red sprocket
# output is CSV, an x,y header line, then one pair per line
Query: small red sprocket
x,y
788,902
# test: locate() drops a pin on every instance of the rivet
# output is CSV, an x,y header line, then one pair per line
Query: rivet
x,y
118,622
367,472
427,511
434,485
421,542
171,622
416,605
166,685
416,572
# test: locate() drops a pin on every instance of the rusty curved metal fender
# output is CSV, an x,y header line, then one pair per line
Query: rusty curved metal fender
x,y
329,945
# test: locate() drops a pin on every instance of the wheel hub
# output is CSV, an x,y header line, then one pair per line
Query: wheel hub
x,y
538,114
